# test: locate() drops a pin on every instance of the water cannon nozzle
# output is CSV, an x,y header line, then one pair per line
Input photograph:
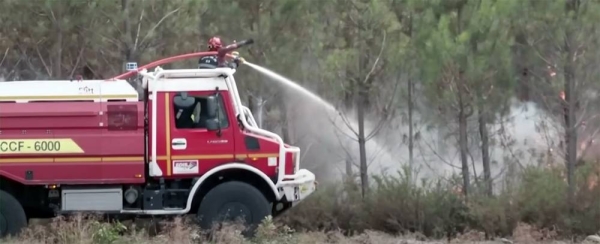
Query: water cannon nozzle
x,y
223,51
247,42
236,45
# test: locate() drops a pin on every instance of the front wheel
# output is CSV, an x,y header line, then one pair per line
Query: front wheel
x,y
12,215
232,200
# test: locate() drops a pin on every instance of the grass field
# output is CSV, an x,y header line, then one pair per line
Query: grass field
x,y
89,230
394,211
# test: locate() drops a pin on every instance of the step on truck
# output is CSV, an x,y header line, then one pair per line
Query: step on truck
x,y
186,146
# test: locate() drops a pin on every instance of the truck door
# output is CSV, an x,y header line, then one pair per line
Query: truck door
x,y
194,148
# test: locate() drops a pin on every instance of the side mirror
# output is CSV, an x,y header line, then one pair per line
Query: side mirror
x,y
211,106
213,124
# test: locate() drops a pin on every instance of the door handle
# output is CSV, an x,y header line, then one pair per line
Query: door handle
x,y
179,144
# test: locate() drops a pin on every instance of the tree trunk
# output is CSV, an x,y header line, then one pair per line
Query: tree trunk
x,y
410,126
57,69
485,148
347,106
256,106
569,126
364,177
289,121
260,104
283,119
462,142
58,45
462,119
570,137
570,107
127,34
349,171
251,104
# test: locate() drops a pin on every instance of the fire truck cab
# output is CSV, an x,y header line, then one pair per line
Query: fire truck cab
x,y
189,147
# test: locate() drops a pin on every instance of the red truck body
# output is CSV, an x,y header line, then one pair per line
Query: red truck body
x,y
189,146
97,155
112,156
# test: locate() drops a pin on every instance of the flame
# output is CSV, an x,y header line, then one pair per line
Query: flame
x,y
562,95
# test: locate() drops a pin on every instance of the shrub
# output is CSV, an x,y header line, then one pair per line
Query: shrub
x,y
435,209
537,210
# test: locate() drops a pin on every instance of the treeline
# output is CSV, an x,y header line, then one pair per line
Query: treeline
x,y
452,64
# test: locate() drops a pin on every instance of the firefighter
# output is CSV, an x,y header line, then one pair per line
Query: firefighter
x,y
211,62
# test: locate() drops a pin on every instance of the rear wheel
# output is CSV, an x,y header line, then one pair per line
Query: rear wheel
x,y
12,215
232,200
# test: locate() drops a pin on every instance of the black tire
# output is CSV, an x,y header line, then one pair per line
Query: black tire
x,y
229,198
12,215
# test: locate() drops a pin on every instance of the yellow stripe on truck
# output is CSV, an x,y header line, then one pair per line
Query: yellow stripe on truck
x,y
39,146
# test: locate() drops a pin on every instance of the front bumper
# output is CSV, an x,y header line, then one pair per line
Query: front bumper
x,y
295,188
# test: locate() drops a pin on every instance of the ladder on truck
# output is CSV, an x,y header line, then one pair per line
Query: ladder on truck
x,y
67,90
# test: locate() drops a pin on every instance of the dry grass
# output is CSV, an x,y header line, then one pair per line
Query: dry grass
x,y
395,211
81,229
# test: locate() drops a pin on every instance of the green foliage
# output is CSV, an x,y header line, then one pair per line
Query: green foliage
x,y
469,46
270,233
546,201
353,39
449,48
107,234
433,209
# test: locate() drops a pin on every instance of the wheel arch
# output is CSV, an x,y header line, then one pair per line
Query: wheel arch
x,y
31,197
9,184
229,172
13,214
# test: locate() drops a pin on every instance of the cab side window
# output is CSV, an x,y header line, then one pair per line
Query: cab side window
x,y
191,112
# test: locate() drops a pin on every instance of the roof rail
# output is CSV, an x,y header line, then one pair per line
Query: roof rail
x,y
166,61
192,73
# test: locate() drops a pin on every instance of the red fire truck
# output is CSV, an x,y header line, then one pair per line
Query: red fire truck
x,y
188,147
